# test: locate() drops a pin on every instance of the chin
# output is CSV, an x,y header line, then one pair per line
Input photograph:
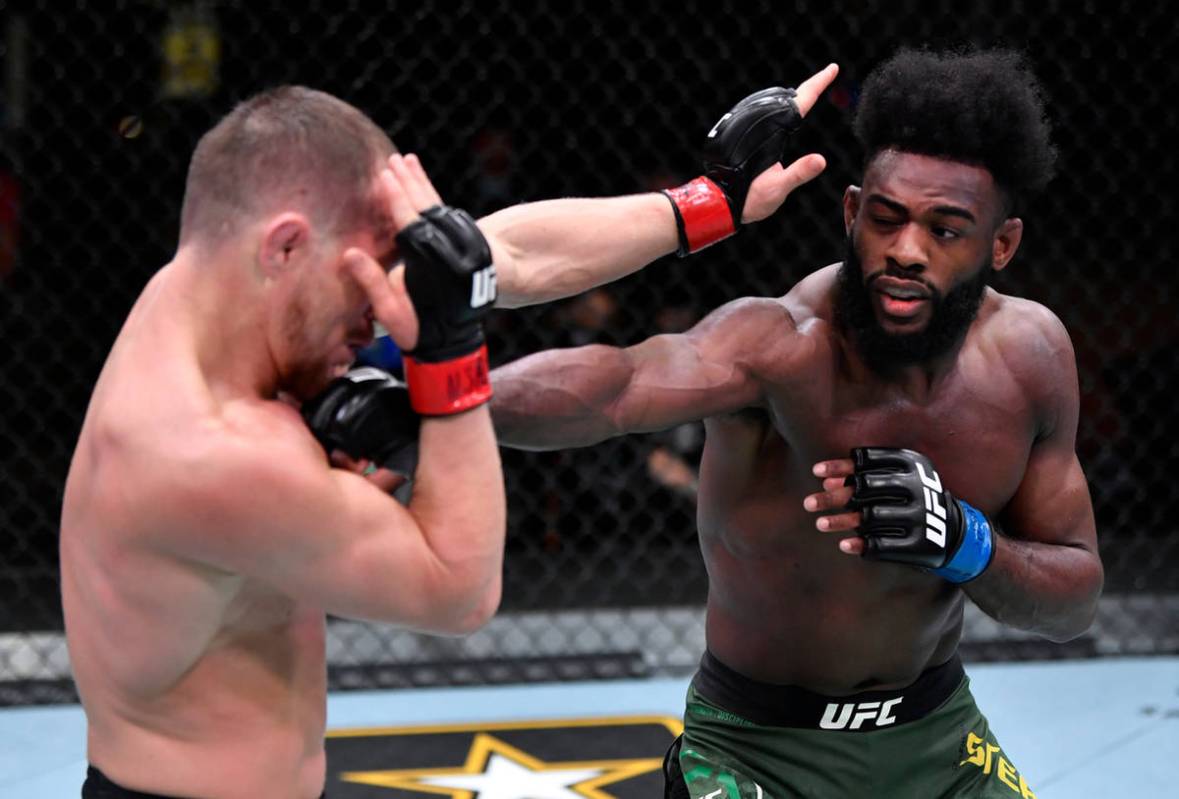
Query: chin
x,y
891,327
305,383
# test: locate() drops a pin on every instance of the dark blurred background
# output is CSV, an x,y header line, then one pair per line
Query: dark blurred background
x,y
102,103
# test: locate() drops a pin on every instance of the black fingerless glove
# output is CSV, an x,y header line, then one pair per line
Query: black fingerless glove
x,y
451,280
909,517
743,144
366,414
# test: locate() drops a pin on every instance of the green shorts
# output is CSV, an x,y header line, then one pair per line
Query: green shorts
x,y
862,746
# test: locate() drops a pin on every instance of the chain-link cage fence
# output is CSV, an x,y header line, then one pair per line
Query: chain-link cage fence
x,y
102,103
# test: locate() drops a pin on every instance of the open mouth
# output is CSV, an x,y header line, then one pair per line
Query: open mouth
x,y
901,299
901,307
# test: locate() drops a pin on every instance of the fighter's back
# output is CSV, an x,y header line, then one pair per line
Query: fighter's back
x,y
151,633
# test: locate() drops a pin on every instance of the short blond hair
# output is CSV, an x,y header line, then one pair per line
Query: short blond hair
x,y
287,147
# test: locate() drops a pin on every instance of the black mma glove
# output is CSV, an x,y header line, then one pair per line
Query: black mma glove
x,y
908,517
451,281
367,414
743,144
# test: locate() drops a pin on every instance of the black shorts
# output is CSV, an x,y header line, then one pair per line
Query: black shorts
x,y
99,786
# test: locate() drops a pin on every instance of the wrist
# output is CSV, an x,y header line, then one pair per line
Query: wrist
x,y
442,388
702,215
976,550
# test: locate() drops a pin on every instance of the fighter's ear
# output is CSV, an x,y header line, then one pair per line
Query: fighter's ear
x,y
285,239
1006,241
851,207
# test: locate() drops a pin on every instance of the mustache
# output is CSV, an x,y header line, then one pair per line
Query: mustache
x,y
891,270
953,310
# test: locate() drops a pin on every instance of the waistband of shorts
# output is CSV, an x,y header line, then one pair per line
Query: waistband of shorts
x,y
100,786
771,705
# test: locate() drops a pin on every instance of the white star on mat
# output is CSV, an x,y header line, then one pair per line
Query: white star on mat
x,y
495,769
506,779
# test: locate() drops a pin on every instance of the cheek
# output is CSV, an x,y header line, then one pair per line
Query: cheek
x,y
296,321
338,292
860,255
355,301
965,264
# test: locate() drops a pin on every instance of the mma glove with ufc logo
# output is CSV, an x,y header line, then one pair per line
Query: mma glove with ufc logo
x,y
451,280
741,145
366,414
909,517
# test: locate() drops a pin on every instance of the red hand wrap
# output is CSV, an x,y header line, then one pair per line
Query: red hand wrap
x,y
448,387
702,213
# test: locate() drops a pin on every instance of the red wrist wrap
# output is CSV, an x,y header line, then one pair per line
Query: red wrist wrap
x,y
448,387
702,213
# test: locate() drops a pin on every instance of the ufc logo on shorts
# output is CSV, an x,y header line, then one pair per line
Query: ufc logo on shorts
x,y
483,287
837,716
935,511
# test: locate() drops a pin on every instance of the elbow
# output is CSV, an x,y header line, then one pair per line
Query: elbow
x,y
1069,630
482,613
477,610
483,608
1083,613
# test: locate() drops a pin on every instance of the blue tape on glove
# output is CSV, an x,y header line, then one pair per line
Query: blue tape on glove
x,y
974,553
383,354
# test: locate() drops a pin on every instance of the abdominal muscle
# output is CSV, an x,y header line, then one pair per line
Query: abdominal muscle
x,y
785,605
824,632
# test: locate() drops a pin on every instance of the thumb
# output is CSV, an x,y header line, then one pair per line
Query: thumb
x,y
769,190
802,171
386,480
387,295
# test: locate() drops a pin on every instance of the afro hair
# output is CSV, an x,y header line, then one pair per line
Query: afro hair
x,y
980,107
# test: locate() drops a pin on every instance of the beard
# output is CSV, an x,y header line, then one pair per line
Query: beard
x,y
949,320
304,375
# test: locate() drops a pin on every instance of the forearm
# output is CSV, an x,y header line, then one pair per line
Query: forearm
x,y
458,502
557,248
1048,589
559,398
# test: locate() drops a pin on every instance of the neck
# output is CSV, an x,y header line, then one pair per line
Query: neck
x,y
220,301
917,381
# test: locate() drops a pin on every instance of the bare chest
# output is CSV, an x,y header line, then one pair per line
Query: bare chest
x,y
978,429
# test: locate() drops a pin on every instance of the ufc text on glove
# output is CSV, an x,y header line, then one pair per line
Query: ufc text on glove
x,y
451,281
909,517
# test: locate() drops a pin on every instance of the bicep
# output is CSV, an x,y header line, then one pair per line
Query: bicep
x,y
675,379
358,553
323,535
716,367
1052,504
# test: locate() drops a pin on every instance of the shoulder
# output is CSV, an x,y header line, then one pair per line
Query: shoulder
x,y
751,316
1033,346
751,331
265,438
813,297
1028,336
808,303
245,461
771,339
